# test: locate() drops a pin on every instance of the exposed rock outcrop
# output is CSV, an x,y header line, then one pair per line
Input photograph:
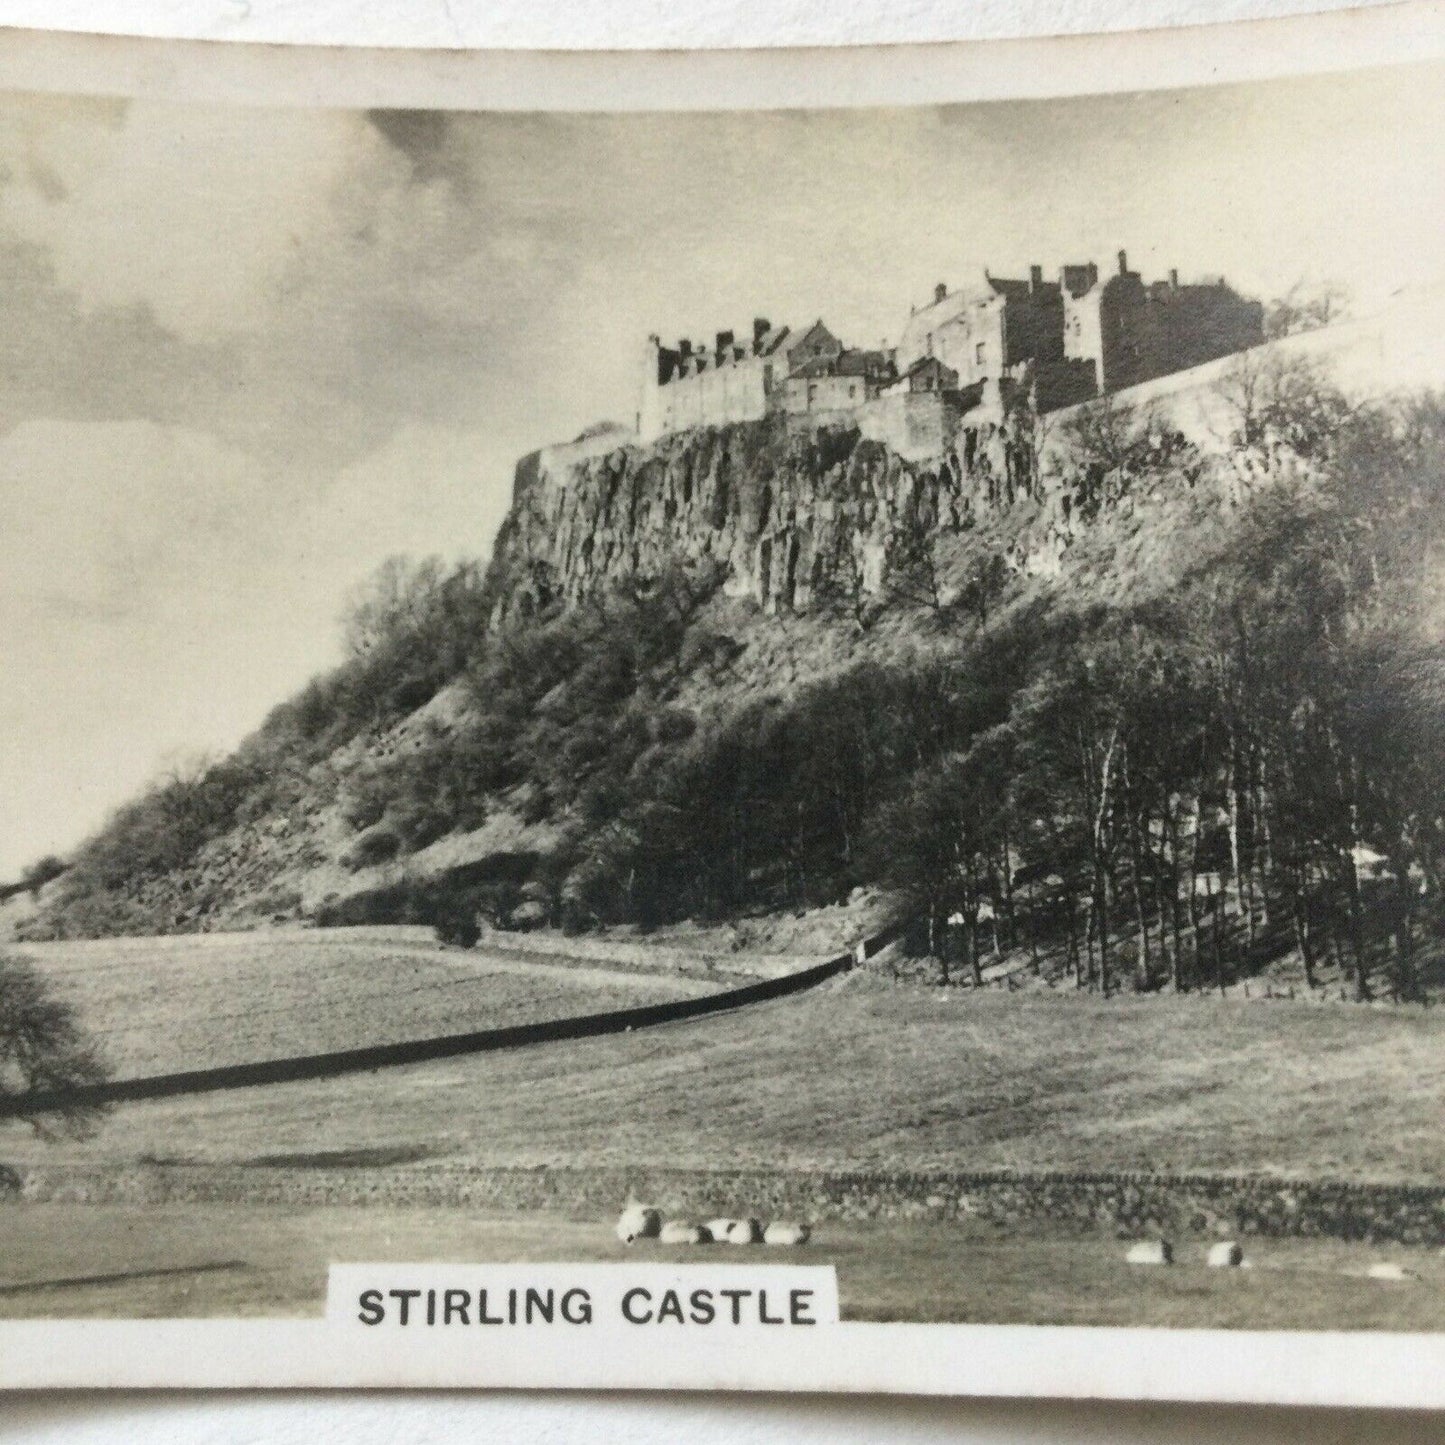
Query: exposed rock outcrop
x,y
788,513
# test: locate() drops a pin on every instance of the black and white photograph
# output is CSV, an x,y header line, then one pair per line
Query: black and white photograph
x,y
848,691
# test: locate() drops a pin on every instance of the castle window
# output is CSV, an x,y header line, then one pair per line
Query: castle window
x,y
978,353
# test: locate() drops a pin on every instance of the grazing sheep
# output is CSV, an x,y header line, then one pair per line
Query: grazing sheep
x,y
744,1231
718,1228
783,1232
1151,1251
679,1231
1391,1271
1227,1254
638,1221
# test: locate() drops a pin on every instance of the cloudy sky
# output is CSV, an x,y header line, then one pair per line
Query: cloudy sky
x,y
248,354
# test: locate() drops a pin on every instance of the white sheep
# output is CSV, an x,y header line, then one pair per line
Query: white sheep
x,y
786,1233
1151,1251
638,1221
1227,1254
1390,1271
679,1231
718,1228
744,1231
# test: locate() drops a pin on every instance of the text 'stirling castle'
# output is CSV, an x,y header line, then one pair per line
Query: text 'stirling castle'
x,y
1065,340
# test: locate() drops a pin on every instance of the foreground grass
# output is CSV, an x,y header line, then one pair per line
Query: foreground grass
x,y
195,1001
228,1260
854,1075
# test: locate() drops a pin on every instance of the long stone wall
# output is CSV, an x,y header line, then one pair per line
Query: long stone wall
x,y
330,1065
1113,1204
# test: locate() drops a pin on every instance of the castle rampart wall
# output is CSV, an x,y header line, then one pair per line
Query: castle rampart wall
x,y
815,394
918,425
735,391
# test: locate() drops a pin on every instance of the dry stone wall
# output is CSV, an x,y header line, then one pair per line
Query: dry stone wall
x,y
1113,1204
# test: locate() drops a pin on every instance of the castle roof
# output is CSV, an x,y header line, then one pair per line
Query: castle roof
x,y
816,334
932,366
848,362
852,362
815,366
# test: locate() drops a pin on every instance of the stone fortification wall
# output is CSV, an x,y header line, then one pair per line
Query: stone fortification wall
x,y
920,426
735,391
1115,1204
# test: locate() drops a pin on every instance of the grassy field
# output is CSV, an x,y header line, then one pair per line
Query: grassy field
x,y
198,1261
853,1074
857,1073
161,1004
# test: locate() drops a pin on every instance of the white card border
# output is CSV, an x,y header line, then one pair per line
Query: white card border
x,y
1218,1366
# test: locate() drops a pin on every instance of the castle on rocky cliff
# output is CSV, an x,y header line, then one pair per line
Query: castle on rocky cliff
x,y
1065,341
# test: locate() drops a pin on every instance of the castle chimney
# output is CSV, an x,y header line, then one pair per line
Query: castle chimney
x,y
724,342
940,292
761,327
684,348
1036,277
1173,278
1123,263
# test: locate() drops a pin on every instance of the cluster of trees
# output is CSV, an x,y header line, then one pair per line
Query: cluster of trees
x,y
565,709
1257,760
1166,793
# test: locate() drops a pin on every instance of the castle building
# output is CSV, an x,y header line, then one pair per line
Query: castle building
x,y
986,327
1133,332
690,385
1075,337
1066,340
839,382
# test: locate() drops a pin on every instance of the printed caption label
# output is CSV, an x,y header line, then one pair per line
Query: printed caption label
x,y
563,1298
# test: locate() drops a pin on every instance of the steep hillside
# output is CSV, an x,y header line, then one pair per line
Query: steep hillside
x,y
762,666
300,821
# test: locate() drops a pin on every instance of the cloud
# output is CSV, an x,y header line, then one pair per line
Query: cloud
x,y
195,212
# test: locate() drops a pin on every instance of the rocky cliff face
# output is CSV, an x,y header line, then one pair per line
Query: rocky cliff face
x,y
788,513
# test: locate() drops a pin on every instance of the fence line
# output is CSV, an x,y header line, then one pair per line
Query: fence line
x,y
300,1067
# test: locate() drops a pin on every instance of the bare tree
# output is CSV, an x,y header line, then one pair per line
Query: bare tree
x,y
1305,307
397,597
845,584
915,572
1270,398
1105,446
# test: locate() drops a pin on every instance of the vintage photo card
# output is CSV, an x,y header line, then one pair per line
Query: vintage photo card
x,y
734,721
